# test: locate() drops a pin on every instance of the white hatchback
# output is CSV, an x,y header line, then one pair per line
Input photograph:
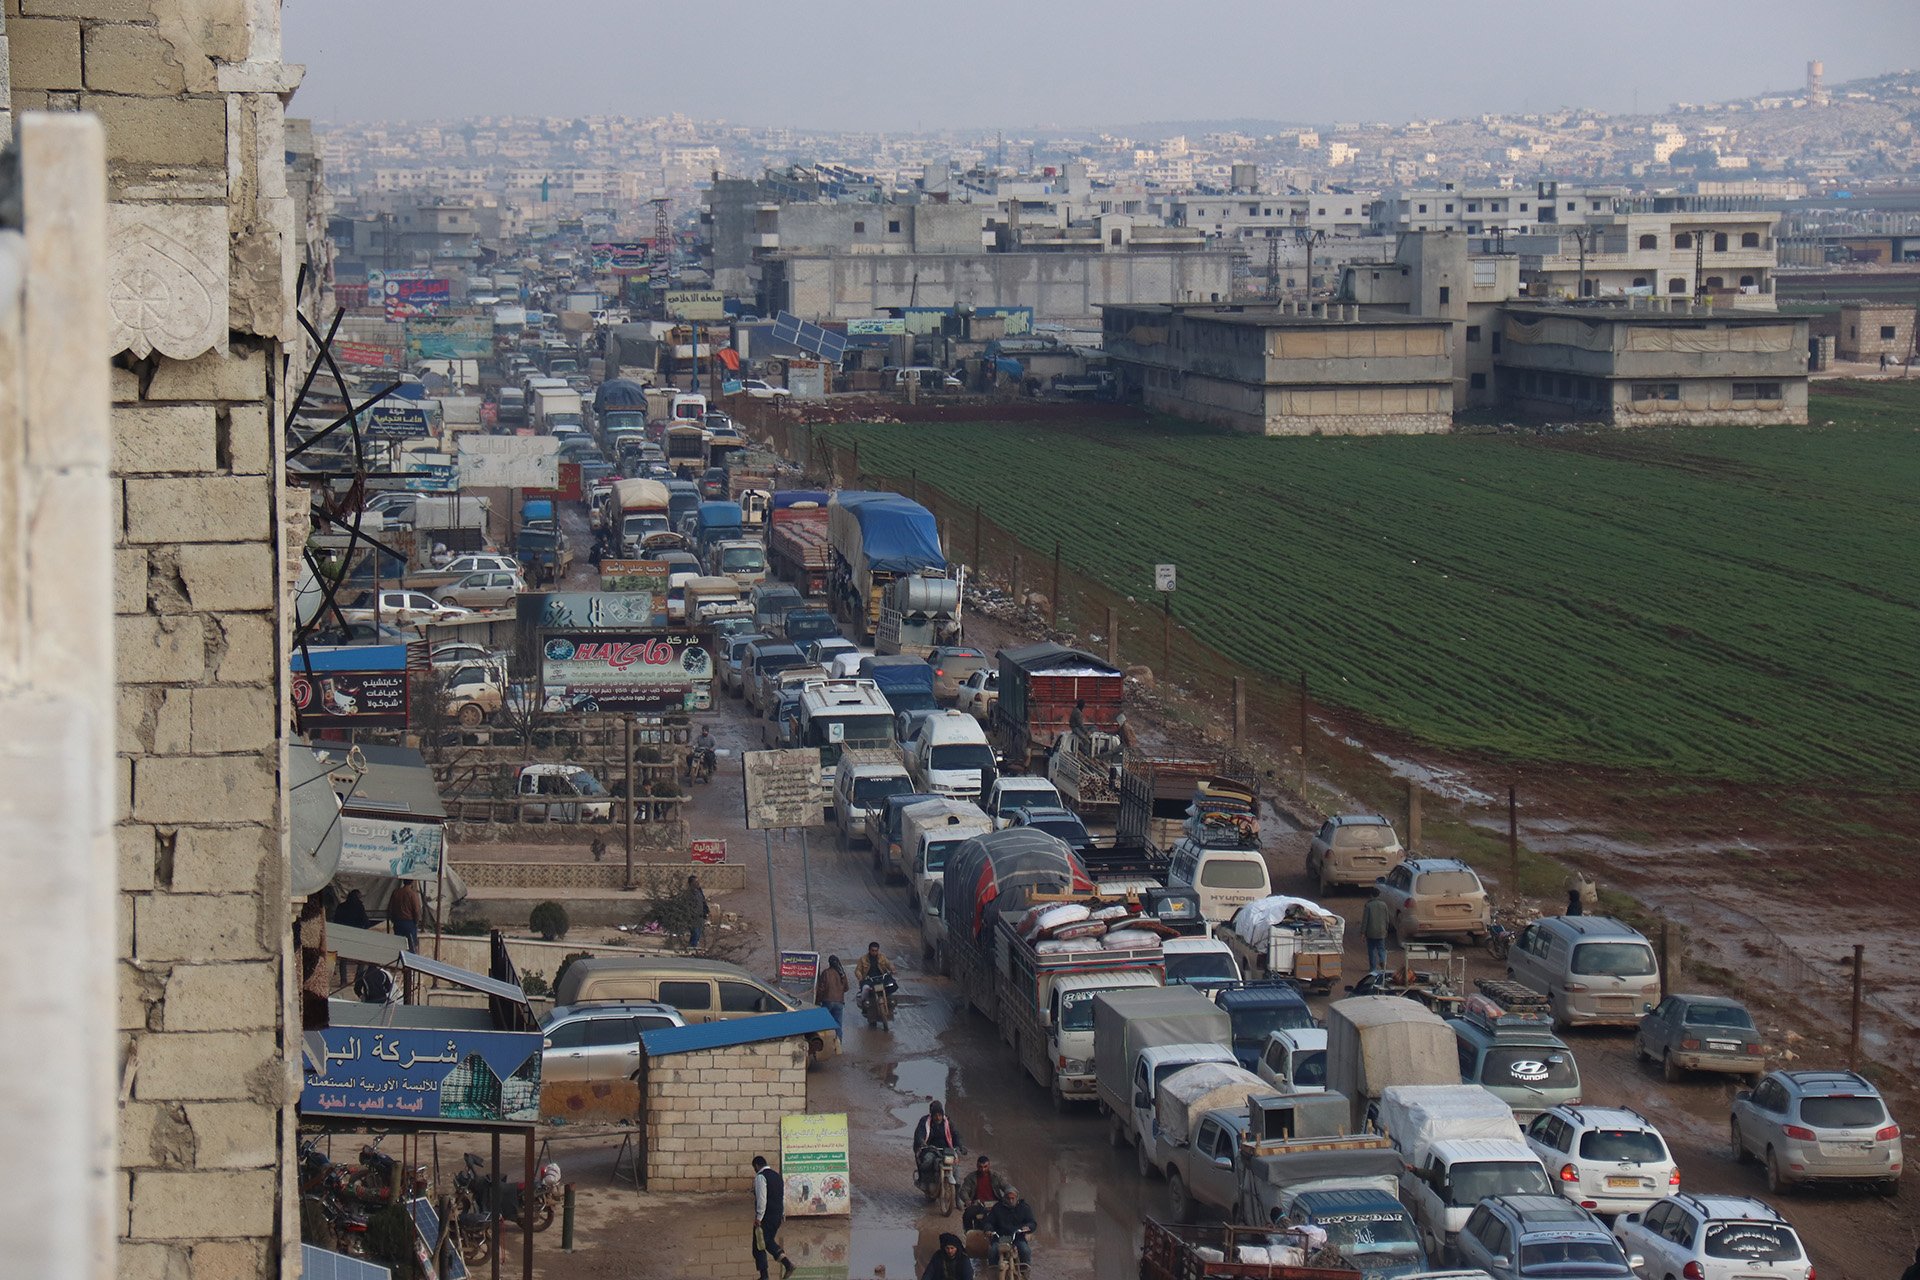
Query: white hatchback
x,y
1609,1160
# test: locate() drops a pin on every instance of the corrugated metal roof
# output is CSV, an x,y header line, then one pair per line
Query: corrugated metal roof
x,y
719,1035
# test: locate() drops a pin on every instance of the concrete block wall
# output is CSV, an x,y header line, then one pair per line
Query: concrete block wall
x,y
710,1113
201,263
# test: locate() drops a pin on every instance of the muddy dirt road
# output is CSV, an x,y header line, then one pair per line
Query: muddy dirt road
x,y
1089,1200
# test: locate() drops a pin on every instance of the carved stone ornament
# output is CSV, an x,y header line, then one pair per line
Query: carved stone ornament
x,y
167,279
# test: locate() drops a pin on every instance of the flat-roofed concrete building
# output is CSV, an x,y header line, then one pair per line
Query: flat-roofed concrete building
x,y
1871,330
1338,370
1632,366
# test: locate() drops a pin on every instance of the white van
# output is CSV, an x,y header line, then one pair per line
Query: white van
x,y
948,755
929,832
1223,880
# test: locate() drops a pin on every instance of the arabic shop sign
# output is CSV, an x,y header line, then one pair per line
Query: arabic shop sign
x,y
634,672
431,1073
350,686
383,847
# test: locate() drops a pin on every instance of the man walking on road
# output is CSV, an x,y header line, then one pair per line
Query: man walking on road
x,y
1374,921
701,912
769,1211
831,991
404,910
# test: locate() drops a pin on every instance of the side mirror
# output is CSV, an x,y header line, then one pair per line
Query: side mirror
x,y
1637,1261
1646,1008
1223,1162
1745,1095
1500,1262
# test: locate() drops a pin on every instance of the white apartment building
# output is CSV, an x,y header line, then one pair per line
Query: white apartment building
x,y
1725,257
1491,210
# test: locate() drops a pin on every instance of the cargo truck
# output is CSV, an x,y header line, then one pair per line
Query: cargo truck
x,y
1173,1251
635,508
917,615
714,521
905,680
1374,1042
1461,1144
876,538
1040,685
797,545
1140,1038
1292,938
1296,1145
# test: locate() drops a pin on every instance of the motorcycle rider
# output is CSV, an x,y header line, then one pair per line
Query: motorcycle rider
x,y
873,969
703,757
1012,1223
983,1191
931,1135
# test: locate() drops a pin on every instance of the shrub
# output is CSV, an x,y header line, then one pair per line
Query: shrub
x,y
534,984
549,920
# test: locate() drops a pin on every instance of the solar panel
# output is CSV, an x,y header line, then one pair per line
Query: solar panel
x,y
428,1223
809,337
324,1264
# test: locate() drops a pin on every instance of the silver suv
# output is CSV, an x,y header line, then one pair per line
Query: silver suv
x,y
1817,1126
599,1043
1522,1237
1607,1159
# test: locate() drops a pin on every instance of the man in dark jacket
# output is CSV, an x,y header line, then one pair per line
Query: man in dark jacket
x,y
932,1132
1012,1222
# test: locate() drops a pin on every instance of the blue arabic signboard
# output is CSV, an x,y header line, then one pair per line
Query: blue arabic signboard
x,y
426,1074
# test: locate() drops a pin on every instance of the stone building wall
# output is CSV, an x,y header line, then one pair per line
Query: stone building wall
x,y
202,255
711,1112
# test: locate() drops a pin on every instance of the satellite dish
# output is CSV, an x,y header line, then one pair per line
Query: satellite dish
x,y
308,596
315,813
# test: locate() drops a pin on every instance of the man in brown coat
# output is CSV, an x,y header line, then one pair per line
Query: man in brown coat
x,y
831,990
404,910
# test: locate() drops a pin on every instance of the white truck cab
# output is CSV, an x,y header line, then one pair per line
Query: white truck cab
x,y
1069,1025
948,755
1154,1065
1011,794
1294,1060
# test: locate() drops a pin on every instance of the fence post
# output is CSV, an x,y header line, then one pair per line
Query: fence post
x,y
1853,1033
1666,956
1513,837
1239,712
1016,579
1166,636
913,482
1413,814
1303,735
1113,636
1053,600
627,725
979,565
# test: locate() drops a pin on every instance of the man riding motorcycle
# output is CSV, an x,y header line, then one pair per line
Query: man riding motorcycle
x,y
982,1190
703,761
1012,1224
874,970
933,1135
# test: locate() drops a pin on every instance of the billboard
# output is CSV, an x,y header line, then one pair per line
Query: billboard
x,y
888,325
350,686
593,610
813,1163
448,1073
449,338
404,299
650,576
372,355
396,419
696,304
633,671
383,847
508,462
566,486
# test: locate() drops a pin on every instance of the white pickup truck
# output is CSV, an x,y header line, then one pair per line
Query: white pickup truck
x,y
1461,1144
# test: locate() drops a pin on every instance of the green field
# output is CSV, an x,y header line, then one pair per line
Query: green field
x,y
1717,603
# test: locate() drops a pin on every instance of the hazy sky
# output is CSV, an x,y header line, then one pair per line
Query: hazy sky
x,y
969,64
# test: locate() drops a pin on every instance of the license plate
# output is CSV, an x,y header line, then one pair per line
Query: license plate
x,y
1624,1182
1723,1046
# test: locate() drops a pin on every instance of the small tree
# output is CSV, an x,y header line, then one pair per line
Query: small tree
x,y
549,920
560,974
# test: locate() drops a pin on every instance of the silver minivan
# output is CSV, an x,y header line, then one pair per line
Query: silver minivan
x,y
1593,970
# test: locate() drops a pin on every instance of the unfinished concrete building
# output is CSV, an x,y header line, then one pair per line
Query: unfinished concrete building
x,y
1336,369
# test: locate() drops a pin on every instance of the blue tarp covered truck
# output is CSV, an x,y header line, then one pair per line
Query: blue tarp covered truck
x,y
876,539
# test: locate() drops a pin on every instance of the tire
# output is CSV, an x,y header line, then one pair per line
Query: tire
x,y
947,1197
1887,1190
543,1216
1147,1171
1059,1099
1777,1183
1179,1202
1116,1136
1740,1155
472,716
1670,1070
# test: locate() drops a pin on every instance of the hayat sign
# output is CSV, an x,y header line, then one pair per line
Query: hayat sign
x,y
608,672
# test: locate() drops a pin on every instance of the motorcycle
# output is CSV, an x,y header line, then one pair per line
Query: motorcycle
x,y
939,1178
547,1194
1499,940
1006,1259
876,1000
477,1201
332,1213
701,764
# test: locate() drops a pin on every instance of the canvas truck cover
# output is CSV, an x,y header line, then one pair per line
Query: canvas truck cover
x,y
1125,1022
1416,1116
1185,1096
786,498
718,515
1377,1041
1255,921
998,872
620,393
899,672
640,495
894,534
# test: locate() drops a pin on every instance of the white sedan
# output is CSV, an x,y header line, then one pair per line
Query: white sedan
x,y
761,390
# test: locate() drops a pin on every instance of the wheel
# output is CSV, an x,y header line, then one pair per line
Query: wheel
x,y
1116,1136
1670,1070
931,1190
946,1198
1147,1171
543,1216
1887,1190
1179,1202
1740,1155
471,716
1059,1098
1776,1181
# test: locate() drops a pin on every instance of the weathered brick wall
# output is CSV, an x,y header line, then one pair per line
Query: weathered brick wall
x,y
201,263
710,1113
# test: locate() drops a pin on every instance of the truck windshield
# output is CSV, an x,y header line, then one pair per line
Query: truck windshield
x,y
640,526
586,784
1012,801
872,793
1076,1010
1252,1026
1371,1235
1194,966
742,560
1472,1183
1310,1071
961,755
855,731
